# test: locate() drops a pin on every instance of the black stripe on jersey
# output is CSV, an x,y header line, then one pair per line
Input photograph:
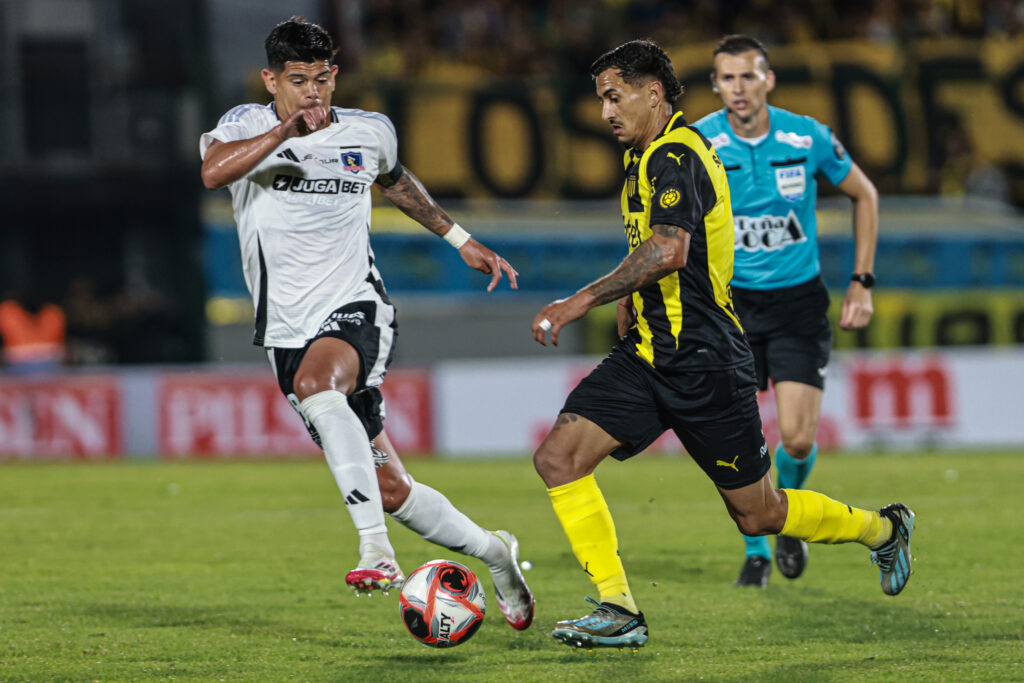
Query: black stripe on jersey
x,y
378,286
788,162
662,341
731,168
261,307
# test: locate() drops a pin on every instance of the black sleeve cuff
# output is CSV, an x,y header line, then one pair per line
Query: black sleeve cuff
x,y
391,177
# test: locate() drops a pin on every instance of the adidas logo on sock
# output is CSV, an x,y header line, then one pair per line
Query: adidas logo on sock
x,y
355,497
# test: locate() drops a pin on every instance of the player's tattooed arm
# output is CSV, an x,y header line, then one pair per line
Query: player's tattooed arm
x,y
409,195
664,252
660,254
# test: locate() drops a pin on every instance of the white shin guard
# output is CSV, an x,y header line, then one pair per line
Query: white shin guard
x,y
351,462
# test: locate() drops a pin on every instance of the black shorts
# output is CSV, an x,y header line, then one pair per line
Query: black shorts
x,y
713,413
370,328
788,331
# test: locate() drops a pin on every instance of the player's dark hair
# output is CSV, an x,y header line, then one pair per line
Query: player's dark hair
x,y
298,40
638,61
737,44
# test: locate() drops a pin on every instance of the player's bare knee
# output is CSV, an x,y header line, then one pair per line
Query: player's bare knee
x,y
557,467
553,467
798,446
307,384
544,463
394,489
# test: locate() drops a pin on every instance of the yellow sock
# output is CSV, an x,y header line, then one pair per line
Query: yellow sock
x,y
817,518
588,524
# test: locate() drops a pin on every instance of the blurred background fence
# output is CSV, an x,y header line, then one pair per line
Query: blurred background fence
x,y
104,215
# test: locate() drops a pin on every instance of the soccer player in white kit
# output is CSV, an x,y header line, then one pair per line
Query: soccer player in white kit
x,y
299,172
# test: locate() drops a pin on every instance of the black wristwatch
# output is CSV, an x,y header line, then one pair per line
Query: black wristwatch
x,y
866,279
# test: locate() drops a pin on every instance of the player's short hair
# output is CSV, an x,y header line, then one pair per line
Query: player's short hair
x,y
638,61
737,44
298,40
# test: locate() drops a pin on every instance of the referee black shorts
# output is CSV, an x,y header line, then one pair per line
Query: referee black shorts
x,y
713,413
788,331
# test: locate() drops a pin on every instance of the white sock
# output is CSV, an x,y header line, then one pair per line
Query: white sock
x,y
351,462
432,516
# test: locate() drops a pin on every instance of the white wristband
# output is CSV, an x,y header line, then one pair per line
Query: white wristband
x,y
456,236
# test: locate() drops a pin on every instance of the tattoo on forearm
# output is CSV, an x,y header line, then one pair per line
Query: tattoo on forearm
x,y
666,230
641,268
409,195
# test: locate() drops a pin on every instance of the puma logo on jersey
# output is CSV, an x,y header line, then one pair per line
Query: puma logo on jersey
x,y
722,463
677,157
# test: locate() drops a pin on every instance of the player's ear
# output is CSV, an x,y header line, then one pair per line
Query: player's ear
x,y
714,85
269,81
656,93
769,79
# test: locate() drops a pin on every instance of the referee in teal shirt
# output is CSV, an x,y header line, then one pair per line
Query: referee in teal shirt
x,y
773,158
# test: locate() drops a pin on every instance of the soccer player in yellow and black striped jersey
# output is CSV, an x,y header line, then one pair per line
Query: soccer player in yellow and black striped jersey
x,y
683,362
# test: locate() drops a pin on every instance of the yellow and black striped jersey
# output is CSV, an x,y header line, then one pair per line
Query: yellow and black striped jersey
x,y
685,321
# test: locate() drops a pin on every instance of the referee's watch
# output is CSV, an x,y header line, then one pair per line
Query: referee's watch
x,y
866,279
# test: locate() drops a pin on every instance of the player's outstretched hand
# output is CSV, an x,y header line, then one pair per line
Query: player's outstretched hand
x,y
479,257
857,309
556,315
306,120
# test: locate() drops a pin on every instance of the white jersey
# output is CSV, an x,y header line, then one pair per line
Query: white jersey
x,y
303,216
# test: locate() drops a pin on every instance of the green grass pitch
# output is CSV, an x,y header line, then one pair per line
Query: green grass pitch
x,y
234,571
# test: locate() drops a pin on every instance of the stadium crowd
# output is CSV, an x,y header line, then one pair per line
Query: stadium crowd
x,y
408,37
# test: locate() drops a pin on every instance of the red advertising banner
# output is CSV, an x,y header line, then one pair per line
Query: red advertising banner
x,y
410,411
902,392
74,416
222,413
227,414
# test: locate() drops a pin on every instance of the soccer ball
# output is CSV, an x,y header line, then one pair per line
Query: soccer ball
x,y
442,603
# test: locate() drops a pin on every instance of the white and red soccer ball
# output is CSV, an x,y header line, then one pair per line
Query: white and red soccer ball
x,y
442,603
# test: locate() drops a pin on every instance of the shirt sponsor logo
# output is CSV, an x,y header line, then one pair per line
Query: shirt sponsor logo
x,y
313,157
353,161
289,183
792,182
768,233
720,140
794,139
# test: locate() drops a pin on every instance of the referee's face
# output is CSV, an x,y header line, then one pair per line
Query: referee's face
x,y
631,111
743,82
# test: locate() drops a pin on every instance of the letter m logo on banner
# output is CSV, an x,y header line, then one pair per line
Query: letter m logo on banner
x,y
903,393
